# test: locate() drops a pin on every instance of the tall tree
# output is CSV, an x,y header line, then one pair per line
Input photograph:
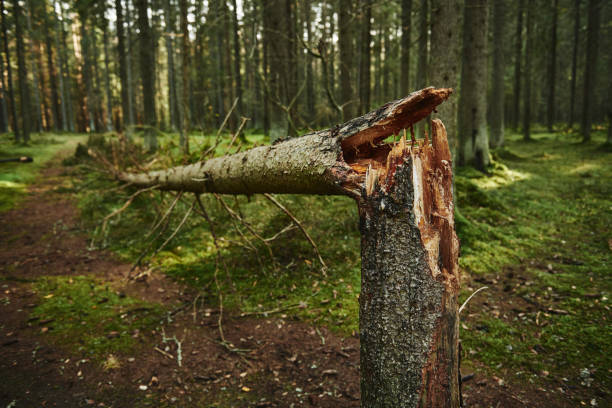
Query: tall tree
x,y
574,62
237,58
421,74
473,134
528,71
131,120
86,70
590,67
345,39
55,109
552,68
310,92
444,61
107,88
3,100
185,51
9,73
147,73
497,93
34,55
405,53
123,75
365,56
518,56
24,88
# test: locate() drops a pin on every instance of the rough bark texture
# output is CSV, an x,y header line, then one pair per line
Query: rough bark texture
x,y
405,54
24,88
408,301
528,73
590,67
444,59
332,161
498,92
147,72
473,134
518,57
346,33
574,62
552,69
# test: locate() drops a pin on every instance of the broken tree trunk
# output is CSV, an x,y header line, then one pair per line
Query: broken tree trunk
x,y
409,249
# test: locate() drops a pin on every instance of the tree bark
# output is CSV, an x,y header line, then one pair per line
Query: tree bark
x,y
405,53
107,89
87,74
3,101
528,73
123,76
445,58
552,69
9,74
185,51
518,56
55,109
24,88
34,57
365,56
497,92
421,74
131,120
590,67
574,63
473,134
346,32
147,73
410,278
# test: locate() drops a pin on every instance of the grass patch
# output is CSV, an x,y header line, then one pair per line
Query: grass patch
x,y
88,315
14,177
542,203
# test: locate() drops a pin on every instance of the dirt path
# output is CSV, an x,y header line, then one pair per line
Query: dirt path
x,y
280,362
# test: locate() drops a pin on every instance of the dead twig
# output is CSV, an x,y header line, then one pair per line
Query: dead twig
x,y
301,227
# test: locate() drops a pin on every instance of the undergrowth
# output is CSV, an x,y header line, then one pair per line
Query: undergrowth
x,y
541,212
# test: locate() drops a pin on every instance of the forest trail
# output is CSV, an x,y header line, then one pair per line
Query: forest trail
x,y
167,348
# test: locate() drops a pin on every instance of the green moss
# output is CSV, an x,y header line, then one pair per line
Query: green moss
x,y
14,177
86,314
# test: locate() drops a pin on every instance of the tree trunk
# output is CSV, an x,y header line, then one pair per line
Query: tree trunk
x,y
497,93
24,88
9,73
574,63
123,76
109,97
346,33
55,109
185,51
473,134
147,73
35,78
365,56
445,57
67,95
518,55
87,74
310,93
528,73
405,58
410,279
590,67
128,63
237,58
552,69
3,101
421,75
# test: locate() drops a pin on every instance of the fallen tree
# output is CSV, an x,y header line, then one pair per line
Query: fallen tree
x,y
409,249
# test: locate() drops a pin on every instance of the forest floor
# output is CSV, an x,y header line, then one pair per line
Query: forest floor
x,y
75,331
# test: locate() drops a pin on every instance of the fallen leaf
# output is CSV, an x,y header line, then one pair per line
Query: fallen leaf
x,y
246,389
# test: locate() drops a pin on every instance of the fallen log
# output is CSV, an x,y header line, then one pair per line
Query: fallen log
x,y
409,249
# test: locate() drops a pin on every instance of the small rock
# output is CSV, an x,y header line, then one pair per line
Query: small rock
x,y
142,387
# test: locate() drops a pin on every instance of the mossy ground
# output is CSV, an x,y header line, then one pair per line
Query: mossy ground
x,y
14,177
542,212
89,315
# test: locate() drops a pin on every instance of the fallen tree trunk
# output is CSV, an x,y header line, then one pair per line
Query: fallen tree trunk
x,y
409,249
